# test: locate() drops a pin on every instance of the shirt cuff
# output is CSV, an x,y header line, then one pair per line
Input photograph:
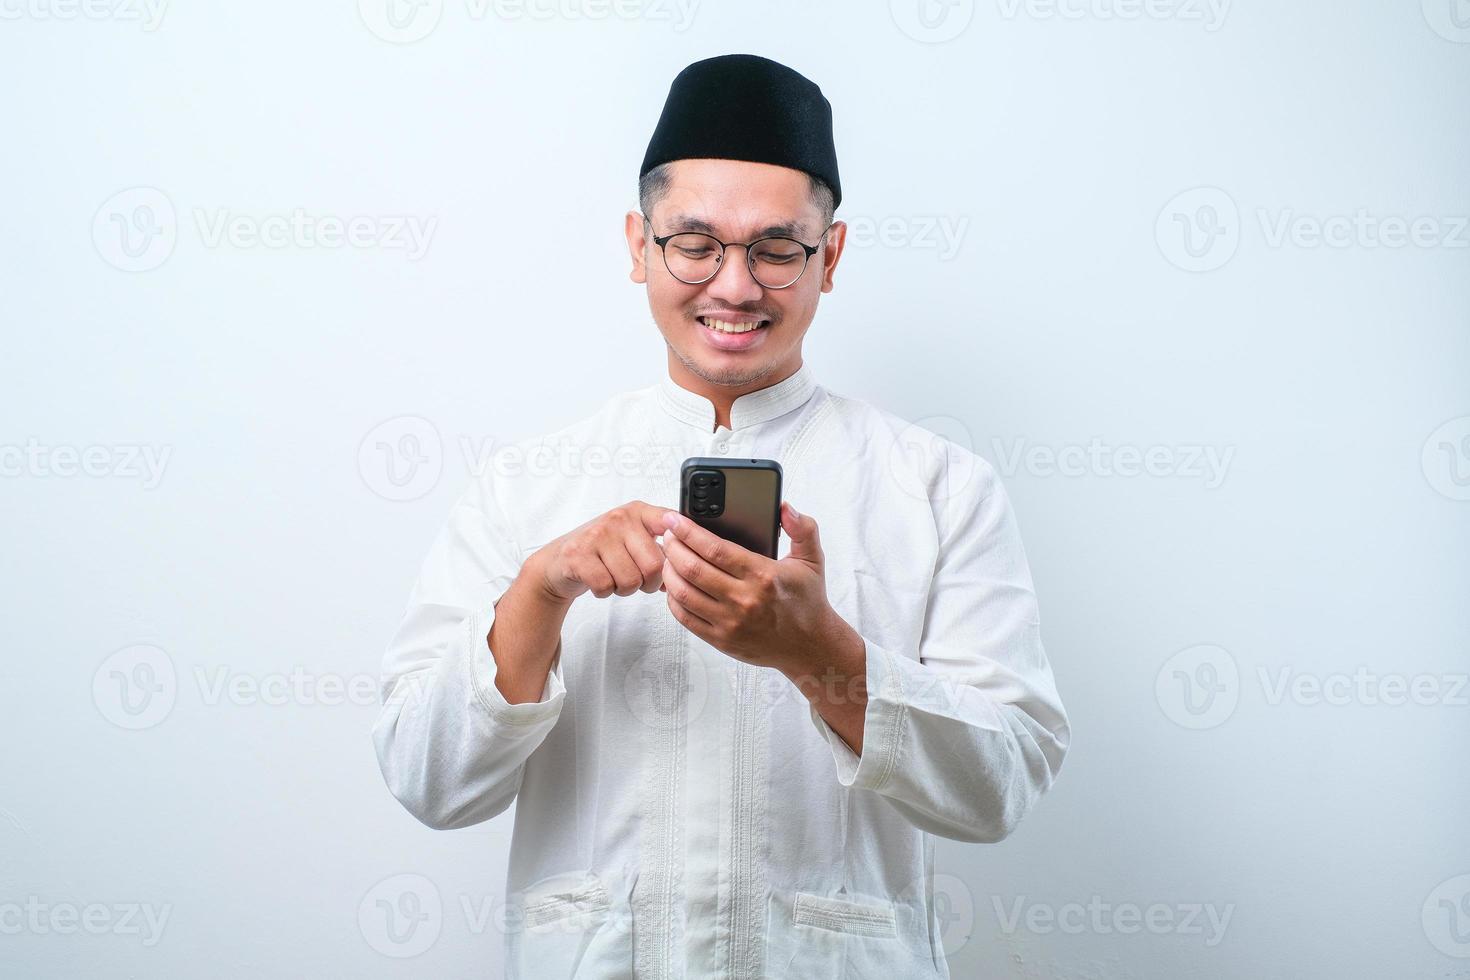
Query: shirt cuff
x,y
882,720
483,669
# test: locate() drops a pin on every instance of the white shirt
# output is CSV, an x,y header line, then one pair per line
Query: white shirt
x,y
684,814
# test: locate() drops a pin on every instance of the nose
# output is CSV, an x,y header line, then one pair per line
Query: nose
x,y
734,284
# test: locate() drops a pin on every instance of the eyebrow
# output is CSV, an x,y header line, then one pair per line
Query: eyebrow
x,y
686,222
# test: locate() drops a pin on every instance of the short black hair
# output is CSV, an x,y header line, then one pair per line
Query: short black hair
x,y
653,185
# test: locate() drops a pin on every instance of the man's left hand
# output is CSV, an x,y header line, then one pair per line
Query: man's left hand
x,y
760,610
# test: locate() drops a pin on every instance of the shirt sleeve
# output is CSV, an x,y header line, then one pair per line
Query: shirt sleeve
x,y
965,739
450,747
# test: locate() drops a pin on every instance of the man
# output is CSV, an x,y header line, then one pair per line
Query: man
x,y
727,765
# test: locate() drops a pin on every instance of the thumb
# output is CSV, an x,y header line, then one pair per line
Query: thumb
x,y
806,545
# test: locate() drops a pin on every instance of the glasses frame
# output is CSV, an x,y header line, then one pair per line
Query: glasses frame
x,y
810,250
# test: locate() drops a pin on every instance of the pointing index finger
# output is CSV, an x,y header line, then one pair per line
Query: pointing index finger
x,y
652,518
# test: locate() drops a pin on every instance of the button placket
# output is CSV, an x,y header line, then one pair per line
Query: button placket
x,y
720,444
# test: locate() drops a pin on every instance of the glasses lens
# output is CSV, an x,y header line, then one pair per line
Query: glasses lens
x,y
692,257
777,262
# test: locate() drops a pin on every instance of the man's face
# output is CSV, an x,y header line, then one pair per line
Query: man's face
x,y
735,201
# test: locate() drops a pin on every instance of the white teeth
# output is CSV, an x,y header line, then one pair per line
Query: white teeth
x,y
724,327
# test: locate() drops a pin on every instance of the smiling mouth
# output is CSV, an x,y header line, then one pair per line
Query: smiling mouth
x,y
723,326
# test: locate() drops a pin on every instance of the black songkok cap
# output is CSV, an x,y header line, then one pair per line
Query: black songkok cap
x,y
745,107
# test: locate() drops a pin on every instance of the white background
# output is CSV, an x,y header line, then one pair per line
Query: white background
x,y
1070,317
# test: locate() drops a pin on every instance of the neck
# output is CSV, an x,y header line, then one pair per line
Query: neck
x,y
723,396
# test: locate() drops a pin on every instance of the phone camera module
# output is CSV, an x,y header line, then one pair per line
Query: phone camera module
x,y
707,493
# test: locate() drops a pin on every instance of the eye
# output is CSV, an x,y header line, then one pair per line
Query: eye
x,y
778,254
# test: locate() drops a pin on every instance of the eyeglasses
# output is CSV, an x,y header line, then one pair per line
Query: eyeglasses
x,y
693,257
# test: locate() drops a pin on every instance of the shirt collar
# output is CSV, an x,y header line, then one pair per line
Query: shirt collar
x,y
751,408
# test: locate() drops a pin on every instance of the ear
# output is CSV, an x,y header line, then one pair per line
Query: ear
x,y
832,252
634,227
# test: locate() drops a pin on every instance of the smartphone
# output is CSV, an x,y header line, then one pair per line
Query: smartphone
x,y
738,499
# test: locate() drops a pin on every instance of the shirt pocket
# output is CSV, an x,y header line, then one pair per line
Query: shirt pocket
x,y
572,925
837,915
811,935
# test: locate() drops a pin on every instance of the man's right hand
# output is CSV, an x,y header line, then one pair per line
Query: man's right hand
x,y
614,553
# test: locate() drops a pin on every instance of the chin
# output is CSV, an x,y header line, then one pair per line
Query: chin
x,y
727,371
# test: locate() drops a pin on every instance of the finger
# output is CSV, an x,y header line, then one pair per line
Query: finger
x,y
690,596
806,543
652,517
649,558
725,555
700,627
591,572
621,566
692,567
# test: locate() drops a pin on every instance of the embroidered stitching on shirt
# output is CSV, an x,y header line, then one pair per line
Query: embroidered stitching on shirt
x,y
663,749
888,753
748,802
592,898
840,916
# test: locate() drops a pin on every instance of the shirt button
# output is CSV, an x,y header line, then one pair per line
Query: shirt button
x,y
723,447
